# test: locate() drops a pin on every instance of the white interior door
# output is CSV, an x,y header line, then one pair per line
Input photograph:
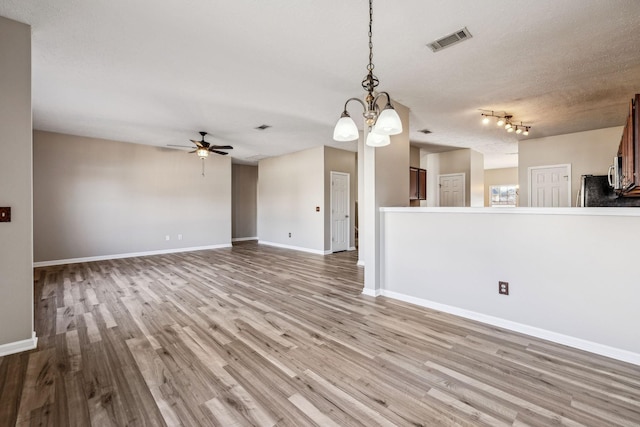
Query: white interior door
x,y
452,190
339,211
550,186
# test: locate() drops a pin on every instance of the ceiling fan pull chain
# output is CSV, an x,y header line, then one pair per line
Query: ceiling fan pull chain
x,y
202,166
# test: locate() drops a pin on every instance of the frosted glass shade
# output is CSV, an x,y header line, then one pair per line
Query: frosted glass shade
x,y
388,122
375,139
345,130
202,152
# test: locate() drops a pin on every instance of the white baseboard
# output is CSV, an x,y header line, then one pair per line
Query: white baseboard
x,y
128,255
19,346
351,248
360,263
371,292
579,343
242,239
295,248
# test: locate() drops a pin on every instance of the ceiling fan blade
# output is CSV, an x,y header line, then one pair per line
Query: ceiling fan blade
x,y
198,143
194,151
181,146
218,152
222,147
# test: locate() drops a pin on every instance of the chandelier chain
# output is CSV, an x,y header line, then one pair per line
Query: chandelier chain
x,y
370,66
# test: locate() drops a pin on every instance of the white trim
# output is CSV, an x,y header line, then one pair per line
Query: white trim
x,y
630,211
360,263
331,175
19,346
529,183
295,248
371,292
128,255
464,187
590,346
243,239
351,248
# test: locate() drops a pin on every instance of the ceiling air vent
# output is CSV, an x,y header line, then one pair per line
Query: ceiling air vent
x,y
263,127
425,131
450,40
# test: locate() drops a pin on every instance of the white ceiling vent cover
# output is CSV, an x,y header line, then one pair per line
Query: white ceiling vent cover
x,y
450,40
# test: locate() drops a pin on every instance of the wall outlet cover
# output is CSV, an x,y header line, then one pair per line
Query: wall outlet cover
x,y
5,214
503,288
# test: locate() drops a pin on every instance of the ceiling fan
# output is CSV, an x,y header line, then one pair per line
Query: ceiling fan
x,y
203,148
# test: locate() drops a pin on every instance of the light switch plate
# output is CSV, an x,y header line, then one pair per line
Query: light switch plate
x,y
5,214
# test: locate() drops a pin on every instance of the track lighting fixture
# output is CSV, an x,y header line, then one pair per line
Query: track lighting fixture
x,y
505,120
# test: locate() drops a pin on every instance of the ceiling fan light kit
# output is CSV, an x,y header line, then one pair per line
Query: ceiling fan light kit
x,y
202,153
381,124
505,120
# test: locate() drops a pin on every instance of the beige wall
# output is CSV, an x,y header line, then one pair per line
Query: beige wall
x,y
339,161
16,255
289,189
96,198
589,152
414,157
466,161
392,166
503,176
244,197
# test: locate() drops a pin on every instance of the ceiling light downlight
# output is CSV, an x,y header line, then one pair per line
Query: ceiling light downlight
x,y
381,124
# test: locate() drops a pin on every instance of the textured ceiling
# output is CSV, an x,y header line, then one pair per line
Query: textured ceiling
x,y
157,71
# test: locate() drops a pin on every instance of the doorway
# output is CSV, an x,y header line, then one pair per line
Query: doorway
x,y
340,220
550,186
452,191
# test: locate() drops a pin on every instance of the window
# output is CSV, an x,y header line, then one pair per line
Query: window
x,y
503,195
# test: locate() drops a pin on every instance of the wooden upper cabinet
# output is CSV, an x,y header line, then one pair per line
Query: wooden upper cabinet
x,y
417,184
413,183
422,184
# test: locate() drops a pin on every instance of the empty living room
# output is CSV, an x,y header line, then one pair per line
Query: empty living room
x,y
209,217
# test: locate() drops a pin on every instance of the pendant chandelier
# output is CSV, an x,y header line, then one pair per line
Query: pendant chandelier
x,y
381,123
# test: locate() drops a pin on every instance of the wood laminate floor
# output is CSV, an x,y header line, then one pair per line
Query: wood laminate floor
x,y
263,336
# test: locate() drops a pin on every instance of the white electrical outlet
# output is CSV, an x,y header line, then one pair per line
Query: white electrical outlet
x,y
179,236
167,237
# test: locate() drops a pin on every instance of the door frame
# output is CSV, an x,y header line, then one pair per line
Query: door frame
x,y
348,175
530,170
464,189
